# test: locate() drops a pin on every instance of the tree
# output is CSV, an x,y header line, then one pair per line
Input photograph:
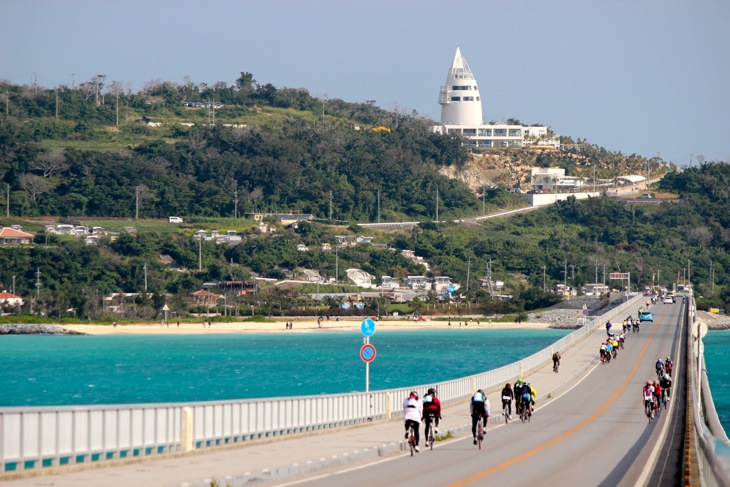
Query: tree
x,y
35,185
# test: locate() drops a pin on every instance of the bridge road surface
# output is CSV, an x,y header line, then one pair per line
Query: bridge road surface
x,y
556,445
596,434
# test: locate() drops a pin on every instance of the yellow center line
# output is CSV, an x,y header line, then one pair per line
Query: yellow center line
x,y
568,433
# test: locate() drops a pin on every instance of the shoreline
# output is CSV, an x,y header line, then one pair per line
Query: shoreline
x,y
304,326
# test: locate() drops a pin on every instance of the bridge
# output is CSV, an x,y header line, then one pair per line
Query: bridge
x,y
588,429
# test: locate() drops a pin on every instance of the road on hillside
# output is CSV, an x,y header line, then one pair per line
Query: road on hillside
x,y
594,434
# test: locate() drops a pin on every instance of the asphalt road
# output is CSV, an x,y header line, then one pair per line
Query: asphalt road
x,y
595,434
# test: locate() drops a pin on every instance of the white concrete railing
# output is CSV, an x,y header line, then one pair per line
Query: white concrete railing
x,y
711,448
39,437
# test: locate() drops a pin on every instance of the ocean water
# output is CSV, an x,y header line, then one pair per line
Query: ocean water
x,y
717,356
128,369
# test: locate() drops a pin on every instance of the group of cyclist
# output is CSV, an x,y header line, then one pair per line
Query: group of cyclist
x,y
631,324
415,411
428,410
657,392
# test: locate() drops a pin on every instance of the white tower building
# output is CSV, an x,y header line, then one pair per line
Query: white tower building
x,y
459,97
461,114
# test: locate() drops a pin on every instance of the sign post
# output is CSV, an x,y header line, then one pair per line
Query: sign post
x,y
367,351
623,276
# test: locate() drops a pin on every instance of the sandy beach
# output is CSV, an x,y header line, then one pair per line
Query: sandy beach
x,y
308,325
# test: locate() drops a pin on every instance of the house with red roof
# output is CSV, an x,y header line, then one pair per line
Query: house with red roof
x,y
10,236
206,297
10,299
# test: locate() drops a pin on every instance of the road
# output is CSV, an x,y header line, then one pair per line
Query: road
x,y
594,434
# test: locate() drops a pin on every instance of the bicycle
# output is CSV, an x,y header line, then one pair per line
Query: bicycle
x,y
430,435
480,430
505,411
412,439
556,366
525,413
649,409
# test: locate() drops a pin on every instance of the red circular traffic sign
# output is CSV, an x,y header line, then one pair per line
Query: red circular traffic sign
x,y
367,353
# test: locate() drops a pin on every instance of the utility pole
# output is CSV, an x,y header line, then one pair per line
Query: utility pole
x,y
200,254
37,283
490,285
712,279
235,203
136,203
565,275
572,273
378,205
7,209
544,289
484,195
330,205
13,284
145,280
437,205
468,268
337,262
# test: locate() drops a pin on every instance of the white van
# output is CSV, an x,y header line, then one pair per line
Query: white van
x,y
175,219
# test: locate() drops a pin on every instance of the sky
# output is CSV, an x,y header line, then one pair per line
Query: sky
x,y
644,77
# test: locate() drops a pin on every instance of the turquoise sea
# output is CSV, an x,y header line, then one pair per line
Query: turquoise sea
x,y
717,356
127,369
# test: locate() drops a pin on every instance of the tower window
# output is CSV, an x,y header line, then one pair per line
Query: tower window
x,y
455,98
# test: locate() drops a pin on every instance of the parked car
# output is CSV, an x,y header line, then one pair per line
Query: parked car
x,y
646,316
175,219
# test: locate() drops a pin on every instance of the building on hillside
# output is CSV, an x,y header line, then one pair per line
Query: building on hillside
x,y
461,114
206,298
10,299
551,178
10,236
360,278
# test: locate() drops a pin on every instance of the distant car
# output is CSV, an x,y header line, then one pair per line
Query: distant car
x,y
646,316
175,219
668,300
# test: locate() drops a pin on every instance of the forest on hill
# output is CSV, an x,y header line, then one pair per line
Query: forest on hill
x,y
82,152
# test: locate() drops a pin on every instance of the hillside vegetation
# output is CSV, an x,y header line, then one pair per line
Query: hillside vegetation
x,y
123,155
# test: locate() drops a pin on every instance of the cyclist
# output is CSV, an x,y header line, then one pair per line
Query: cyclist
x,y
659,366
431,409
556,360
412,413
614,346
528,397
605,356
507,397
666,383
518,395
668,365
625,325
479,405
657,394
647,393
621,340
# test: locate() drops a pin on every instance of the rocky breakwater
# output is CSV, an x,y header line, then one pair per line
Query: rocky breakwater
x,y
35,329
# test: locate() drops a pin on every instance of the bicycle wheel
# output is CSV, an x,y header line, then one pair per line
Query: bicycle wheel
x,y
412,440
505,414
480,432
430,436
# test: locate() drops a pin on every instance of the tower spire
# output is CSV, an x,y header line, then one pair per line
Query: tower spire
x,y
459,98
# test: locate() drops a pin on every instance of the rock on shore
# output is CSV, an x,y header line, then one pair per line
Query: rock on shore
x,y
35,329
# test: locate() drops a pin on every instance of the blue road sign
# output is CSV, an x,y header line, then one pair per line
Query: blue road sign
x,y
368,327
367,353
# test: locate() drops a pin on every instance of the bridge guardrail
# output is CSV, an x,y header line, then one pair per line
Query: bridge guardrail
x,y
41,437
713,468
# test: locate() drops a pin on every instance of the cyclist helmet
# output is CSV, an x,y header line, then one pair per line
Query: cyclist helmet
x,y
414,394
479,390
648,382
507,386
432,391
